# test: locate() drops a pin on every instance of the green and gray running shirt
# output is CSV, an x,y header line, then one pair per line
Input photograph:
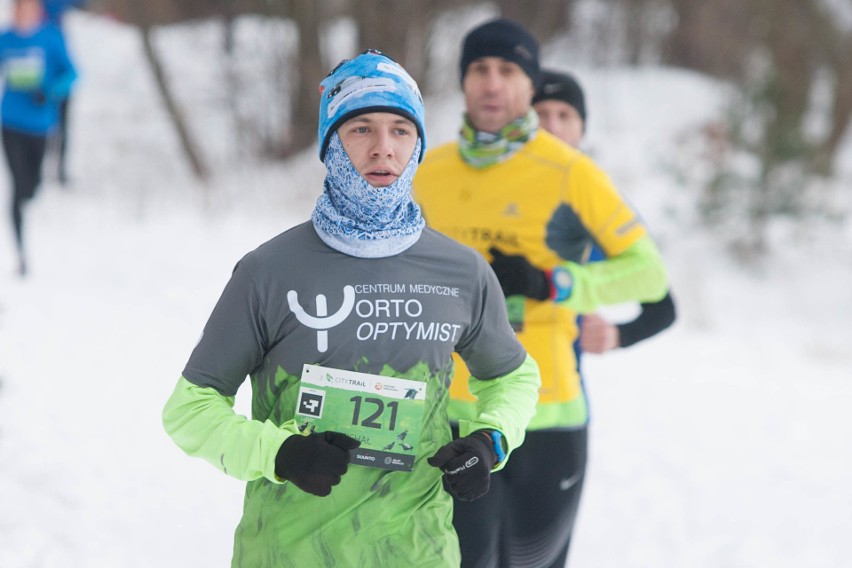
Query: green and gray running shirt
x,y
295,301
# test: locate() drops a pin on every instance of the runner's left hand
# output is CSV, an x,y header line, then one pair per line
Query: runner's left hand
x,y
598,335
467,464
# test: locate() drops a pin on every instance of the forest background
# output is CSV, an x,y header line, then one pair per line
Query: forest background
x,y
788,62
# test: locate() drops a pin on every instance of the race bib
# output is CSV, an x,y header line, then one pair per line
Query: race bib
x,y
384,413
25,72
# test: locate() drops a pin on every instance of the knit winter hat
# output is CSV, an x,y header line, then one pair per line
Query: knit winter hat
x,y
502,38
371,82
561,87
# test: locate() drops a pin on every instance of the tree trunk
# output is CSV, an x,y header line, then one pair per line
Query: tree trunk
x,y
713,37
385,25
141,17
311,71
838,45
189,148
401,30
840,118
543,18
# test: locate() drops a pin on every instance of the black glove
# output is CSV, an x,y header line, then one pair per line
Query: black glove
x,y
39,97
467,464
518,277
314,463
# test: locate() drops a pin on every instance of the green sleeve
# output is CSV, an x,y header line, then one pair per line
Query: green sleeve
x,y
505,403
202,422
635,275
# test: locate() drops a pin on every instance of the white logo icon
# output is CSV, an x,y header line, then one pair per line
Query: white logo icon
x,y
322,321
567,482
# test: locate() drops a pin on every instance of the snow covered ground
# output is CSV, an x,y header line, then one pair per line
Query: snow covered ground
x,y
723,442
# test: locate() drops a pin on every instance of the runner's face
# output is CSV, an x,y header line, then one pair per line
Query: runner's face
x,y
496,92
560,119
379,144
28,14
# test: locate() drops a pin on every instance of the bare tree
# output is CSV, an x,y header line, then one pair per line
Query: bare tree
x,y
164,12
141,15
401,30
543,18
796,44
714,37
835,46
311,70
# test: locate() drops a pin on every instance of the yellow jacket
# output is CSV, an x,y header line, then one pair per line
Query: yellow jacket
x,y
549,203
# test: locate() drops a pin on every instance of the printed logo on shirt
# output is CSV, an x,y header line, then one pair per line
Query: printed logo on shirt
x,y
482,237
512,210
388,312
322,321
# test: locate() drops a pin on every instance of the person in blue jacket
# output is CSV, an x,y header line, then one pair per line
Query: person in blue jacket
x,y
38,74
561,107
54,13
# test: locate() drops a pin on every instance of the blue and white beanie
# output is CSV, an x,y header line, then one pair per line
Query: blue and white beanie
x,y
371,82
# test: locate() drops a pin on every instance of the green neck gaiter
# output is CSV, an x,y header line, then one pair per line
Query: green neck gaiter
x,y
483,149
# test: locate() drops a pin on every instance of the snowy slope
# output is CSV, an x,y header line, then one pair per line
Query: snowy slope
x,y
722,442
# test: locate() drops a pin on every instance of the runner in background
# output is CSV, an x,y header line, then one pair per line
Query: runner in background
x,y
561,107
530,204
38,75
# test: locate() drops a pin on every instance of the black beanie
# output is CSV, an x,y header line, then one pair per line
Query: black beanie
x,y
502,38
563,87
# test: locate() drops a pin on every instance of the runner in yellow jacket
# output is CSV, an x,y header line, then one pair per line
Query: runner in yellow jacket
x,y
533,206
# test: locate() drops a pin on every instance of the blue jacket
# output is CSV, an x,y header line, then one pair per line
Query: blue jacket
x,y
55,9
38,74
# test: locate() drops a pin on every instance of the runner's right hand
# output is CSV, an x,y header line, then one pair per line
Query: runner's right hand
x,y
314,463
518,277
